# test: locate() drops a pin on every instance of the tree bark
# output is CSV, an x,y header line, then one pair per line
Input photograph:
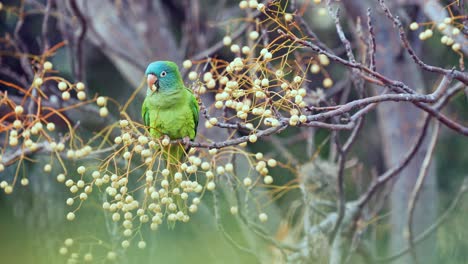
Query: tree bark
x,y
399,124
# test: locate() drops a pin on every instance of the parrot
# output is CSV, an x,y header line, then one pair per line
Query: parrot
x,y
169,108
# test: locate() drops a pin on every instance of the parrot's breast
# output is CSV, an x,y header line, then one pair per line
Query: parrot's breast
x,y
176,121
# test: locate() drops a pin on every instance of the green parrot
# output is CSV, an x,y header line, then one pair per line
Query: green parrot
x,y
169,108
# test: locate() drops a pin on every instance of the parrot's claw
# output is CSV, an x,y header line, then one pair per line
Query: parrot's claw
x,y
186,141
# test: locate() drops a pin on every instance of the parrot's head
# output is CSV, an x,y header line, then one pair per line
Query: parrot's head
x,y
163,76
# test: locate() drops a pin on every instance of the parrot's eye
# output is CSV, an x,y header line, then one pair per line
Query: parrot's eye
x,y
163,73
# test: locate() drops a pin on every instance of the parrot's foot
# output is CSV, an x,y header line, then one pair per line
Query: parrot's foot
x,y
186,141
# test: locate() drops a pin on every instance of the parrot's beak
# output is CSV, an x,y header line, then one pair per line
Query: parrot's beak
x,y
153,82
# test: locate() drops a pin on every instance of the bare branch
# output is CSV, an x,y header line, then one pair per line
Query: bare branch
x,y
417,189
421,237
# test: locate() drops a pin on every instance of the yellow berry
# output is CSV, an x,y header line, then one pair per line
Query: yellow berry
x,y
111,255
13,141
24,181
17,124
125,244
275,122
213,120
247,182
81,95
192,76
414,26
81,169
297,79
101,101
141,244
253,4
80,86
322,11
62,86
211,186
315,68
38,81
323,59
229,167
48,66
428,33
294,120
8,189
207,76
103,111
88,257
441,26
166,141
227,40
259,156
272,163
263,217
450,41
61,177
47,168
51,126
63,251
253,35
303,118
19,110
187,64
243,4
456,47
66,96
219,104
68,242
71,216
83,196
235,48
327,82
234,210
213,151
444,39
253,138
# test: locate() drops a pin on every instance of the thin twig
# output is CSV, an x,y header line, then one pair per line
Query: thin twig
x,y
372,46
392,172
461,76
417,189
45,26
79,66
422,236
220,227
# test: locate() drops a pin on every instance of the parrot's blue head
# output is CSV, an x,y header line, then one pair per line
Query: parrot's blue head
x,y
163,76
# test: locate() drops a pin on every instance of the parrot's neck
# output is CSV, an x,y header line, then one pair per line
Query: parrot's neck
x,y
166,99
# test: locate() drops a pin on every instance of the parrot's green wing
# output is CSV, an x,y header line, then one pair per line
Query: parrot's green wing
x,y
145,114
195,109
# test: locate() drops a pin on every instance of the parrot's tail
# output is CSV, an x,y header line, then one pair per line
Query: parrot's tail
x,y
174,155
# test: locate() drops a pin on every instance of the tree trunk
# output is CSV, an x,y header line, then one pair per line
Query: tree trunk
x,y
399,125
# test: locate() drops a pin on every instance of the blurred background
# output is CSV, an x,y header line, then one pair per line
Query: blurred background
x,y
107,45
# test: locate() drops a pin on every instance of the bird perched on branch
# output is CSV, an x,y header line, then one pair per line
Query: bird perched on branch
x,y
169,108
